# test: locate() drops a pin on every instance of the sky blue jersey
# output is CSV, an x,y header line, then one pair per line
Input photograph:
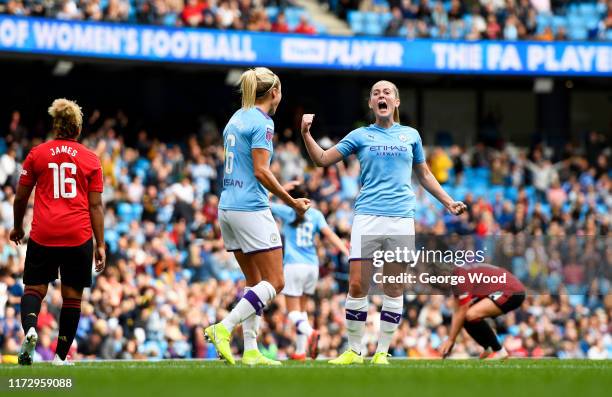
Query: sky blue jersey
x,y
299,241
247,129
386,157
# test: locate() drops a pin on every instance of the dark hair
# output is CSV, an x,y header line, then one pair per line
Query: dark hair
x,y
298,192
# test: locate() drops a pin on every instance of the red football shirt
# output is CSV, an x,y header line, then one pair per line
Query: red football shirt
x,y
472,289
64,172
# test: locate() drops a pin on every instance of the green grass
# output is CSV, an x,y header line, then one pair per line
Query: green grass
x,y
418,378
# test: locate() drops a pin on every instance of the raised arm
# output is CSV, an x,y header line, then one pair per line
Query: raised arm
x,y
261,159
431,184
322,158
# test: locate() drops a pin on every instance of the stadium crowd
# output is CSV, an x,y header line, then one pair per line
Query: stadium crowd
x,y
168,275
215,14
544,20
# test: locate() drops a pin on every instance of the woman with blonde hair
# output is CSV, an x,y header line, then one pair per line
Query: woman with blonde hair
x,y
247,226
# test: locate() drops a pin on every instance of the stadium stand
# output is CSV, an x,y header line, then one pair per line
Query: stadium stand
x,y
169,276
238,15
456,19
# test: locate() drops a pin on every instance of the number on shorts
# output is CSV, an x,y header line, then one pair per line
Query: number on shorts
x,y
61,182
230,142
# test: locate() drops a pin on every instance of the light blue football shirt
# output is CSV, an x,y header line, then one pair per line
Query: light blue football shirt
x,y
299,241
386,157
247,129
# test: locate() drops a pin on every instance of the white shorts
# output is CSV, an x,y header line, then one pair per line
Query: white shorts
x,y
384,226
300,280
249,232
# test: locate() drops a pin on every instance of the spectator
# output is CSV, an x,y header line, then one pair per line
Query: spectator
x,y
304,26
395,24
193,13
280,24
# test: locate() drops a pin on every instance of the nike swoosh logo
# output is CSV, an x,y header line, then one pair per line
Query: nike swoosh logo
x,y
32,314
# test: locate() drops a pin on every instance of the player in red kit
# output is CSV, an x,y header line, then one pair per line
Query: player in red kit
x,y
67,211
487,291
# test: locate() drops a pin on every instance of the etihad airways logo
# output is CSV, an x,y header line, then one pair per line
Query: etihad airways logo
x,y
391,150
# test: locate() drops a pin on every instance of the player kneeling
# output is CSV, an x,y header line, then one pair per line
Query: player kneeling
x,y
475,301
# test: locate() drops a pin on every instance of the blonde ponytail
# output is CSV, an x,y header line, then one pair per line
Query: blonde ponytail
x,y
67,118
248,88
396,115
256,83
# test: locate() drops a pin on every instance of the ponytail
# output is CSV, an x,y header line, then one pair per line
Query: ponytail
x,y
256,83
396,115
248,88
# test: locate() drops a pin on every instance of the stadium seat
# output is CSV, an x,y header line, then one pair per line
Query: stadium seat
x,y
137,211
272,12
558,22
587,9
578,33
373,29
170,19
124,211
575,21
544,20
356,21
112,238
385,18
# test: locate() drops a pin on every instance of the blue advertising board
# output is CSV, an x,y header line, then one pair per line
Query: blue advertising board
x,y
217,47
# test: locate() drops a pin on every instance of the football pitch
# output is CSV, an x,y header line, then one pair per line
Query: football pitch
x,y
418,378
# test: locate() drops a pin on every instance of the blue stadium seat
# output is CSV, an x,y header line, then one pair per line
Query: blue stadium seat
x,y
544,20
609,35
111,237
371,18
575,21
578,33
137,211
272,12
587,9
170,19
385,18
122,228
511,193
592,22
356,19
124,211
559,21
373,29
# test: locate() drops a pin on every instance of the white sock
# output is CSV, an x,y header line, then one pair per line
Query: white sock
x,y
390,318
305,326
250,327
303,329
253,301
356,315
